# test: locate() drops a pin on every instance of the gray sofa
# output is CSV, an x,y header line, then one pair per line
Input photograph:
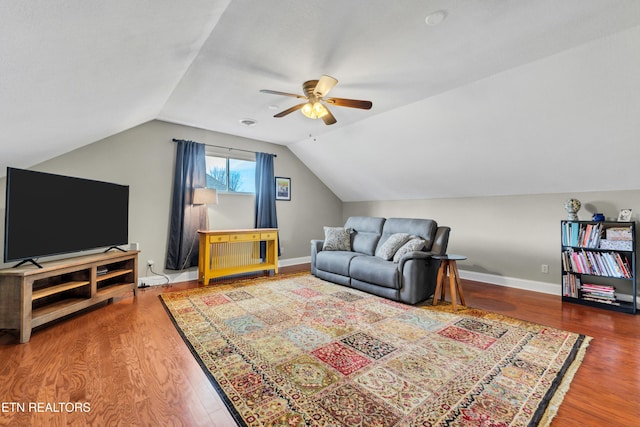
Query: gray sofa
x,y
366,266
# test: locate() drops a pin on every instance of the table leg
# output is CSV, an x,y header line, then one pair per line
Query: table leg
x,y
458,284
439,280
452,283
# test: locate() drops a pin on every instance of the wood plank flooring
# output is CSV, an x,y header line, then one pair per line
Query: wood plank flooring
x,y
125,364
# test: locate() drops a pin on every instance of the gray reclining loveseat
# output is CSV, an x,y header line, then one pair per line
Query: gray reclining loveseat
x,y
386,257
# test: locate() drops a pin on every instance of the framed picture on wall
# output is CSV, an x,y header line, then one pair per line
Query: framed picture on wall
x,y
283,188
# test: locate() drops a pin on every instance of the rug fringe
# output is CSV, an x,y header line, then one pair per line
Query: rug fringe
x,y
565,384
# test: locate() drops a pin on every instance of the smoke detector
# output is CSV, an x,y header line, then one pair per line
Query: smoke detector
x,y
436,17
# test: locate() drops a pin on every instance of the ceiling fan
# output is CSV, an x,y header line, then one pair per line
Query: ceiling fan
x,y
315,93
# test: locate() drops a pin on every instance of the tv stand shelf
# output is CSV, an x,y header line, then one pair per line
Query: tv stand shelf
x,y
56,289
31,296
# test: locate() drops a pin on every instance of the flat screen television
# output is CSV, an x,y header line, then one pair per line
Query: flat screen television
x,y
48,214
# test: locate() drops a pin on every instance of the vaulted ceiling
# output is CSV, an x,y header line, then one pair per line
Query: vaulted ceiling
x,y
501,97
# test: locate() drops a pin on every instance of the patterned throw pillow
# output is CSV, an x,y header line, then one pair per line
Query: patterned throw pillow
x,y
393,243
337,239
415,244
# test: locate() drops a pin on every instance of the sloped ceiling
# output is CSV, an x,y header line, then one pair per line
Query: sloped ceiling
x,y
499,98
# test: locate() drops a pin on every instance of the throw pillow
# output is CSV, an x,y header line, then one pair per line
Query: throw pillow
x,y
337,239
393,243
415,244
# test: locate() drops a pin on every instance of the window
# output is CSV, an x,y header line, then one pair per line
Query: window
x,y
231,175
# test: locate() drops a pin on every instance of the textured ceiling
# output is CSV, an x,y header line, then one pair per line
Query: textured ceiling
x,y
74,72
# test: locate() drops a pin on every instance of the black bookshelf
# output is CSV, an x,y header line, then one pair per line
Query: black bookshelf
x,y
598,262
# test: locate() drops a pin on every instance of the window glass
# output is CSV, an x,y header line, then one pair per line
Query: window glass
x,y
231,175
217,173
242,176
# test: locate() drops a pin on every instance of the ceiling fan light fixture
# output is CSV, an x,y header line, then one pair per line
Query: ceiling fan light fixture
x,y
314,111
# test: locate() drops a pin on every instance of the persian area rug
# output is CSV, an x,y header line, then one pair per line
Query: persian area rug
x,y
299,351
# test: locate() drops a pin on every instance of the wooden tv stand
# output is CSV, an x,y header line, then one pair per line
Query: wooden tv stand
x,y
31,296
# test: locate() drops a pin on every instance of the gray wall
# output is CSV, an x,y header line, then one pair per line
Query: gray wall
x,y
508,236
143,158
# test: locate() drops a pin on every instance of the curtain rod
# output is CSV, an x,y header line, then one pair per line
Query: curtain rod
x,y
226,148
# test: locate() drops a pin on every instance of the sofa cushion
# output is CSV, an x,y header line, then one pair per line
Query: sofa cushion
x,y
413,245
391,245
366,233
337,239
335,261
375,270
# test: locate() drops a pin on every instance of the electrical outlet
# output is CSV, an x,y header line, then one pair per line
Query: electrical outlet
x,y
545,268
150,263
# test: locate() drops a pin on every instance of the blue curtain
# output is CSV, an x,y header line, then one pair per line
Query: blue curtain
x,y
186,219
266,216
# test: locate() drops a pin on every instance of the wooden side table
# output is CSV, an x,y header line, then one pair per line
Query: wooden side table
x,y
449,268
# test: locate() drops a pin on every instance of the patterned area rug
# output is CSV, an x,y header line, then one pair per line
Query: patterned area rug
x,y
298,351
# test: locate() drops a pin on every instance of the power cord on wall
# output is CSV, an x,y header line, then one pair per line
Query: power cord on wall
x,y
150,268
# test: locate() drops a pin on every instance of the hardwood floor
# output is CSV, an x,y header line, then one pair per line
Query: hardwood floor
x,y
125,364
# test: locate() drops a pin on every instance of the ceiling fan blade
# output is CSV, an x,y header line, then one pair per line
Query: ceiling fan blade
x,y
328,118
275,92
325,84
352,103
290,110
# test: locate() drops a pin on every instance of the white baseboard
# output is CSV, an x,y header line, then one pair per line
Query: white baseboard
x,y
294,261
513,282
192,274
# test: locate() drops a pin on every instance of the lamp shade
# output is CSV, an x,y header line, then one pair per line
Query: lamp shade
x,y
205,196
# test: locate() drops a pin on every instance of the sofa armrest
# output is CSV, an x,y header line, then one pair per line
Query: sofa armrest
x,y
316,246
441,241
417,255
418,271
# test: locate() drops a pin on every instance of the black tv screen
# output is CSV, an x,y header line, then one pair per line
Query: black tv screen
x,y
48,214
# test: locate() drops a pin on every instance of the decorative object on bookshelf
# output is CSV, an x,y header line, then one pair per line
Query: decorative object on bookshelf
x,y
598,217
624,215
619,233
572,206
599,264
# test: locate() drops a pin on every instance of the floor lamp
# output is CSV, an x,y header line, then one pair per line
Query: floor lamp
x,y
205,196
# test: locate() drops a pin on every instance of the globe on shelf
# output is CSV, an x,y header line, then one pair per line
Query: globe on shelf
x,y
572,206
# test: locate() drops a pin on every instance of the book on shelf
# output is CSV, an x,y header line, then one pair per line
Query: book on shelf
x,y
570,285
610,264
599,293
581,235
601,301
